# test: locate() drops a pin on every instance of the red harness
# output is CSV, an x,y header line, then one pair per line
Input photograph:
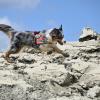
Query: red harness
x,y
40,38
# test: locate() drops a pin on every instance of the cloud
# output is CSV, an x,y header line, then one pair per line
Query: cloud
x,y
4,41
15,25
19,3
5,20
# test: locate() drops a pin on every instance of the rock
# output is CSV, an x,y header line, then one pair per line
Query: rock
x,y
14,90
38,76
58,59
26,59
73,98
88,34
93,92
64,79
59,98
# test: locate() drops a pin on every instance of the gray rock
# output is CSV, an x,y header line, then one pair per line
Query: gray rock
x,y
38,76
93,92
87,34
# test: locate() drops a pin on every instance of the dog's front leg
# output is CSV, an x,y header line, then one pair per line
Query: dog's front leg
x,y
59,51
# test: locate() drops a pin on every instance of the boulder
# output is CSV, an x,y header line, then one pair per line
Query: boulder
x,y
38,76
88,34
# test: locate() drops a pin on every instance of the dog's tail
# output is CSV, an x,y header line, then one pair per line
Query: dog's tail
x,y
6,29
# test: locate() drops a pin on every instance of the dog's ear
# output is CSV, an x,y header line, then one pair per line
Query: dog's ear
x,y
60,28
53,32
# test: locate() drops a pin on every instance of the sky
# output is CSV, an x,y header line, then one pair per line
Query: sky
x,y
35,15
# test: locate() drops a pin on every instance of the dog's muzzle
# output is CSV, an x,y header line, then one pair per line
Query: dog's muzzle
x,y
60,42
59,39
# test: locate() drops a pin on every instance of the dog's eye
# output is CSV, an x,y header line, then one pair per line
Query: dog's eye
x,y
54,36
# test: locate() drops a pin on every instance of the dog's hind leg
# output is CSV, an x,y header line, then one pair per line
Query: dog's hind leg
x,y
11,51
8,53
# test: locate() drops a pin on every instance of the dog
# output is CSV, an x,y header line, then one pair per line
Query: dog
x,y
31,38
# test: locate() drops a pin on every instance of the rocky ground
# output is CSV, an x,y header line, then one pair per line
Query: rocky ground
x,y
38,76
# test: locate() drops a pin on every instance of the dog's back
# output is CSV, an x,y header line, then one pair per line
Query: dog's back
x,y
25,38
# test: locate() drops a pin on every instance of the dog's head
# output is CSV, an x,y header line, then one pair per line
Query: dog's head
x,y
57,35
5,28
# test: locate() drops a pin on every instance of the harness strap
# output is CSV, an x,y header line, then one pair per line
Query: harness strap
x,y
40,38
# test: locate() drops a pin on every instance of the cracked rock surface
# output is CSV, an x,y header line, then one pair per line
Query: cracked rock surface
x,y
38,76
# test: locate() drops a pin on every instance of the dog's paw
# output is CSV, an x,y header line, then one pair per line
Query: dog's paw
x,y
49,52
9,60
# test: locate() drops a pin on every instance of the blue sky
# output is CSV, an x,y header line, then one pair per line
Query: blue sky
x,y
44,14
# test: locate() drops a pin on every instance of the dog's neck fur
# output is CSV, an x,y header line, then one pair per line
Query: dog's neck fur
x,y
49,38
